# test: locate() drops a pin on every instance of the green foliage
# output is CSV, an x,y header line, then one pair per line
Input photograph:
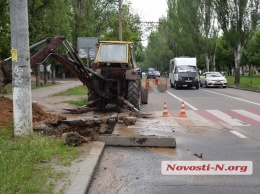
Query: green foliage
x,y
252,51
238,21
187,31
5,39
26,162
72,19
224,55
158,53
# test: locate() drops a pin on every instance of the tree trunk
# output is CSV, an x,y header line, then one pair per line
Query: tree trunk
x,y
237,53
38,75
207,62
45,74
53,74
63,75
214,62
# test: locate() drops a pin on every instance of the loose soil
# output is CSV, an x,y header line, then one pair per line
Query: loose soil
x,y
39,115
50,119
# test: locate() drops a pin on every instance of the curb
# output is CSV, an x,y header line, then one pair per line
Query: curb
x,y
82,180
235,87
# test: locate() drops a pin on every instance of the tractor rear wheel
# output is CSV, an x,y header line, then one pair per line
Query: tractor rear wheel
x,y
134,93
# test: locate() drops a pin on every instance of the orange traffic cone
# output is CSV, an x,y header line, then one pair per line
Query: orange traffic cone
x,y
165,111
182,113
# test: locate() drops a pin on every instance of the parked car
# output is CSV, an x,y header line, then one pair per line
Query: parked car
x,y
150,73
211,79
157,73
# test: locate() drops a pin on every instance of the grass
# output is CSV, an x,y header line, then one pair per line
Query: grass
x,y
26,162
78,102
246,82
79,90
8,88
48,84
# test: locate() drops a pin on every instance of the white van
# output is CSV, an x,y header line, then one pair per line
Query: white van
x,y
183,72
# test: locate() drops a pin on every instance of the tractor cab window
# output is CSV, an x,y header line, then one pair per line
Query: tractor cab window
x,y
113,53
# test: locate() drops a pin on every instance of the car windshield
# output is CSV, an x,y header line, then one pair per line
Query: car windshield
x,y
113,53
187,68
214,75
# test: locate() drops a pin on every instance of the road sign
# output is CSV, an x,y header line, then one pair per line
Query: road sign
x,y
87,47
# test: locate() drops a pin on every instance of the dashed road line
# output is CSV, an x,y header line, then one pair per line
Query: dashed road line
x,y
192,107
238,134
233,97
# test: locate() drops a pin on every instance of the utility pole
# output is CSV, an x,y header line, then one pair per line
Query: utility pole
x,y
22,102
120,20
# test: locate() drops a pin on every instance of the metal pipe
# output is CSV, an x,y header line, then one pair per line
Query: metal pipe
x,y
31,47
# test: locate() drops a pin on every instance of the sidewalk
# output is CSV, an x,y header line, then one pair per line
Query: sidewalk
x,y
47,91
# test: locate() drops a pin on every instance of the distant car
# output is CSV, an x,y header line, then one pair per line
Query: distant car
x,y
150,73
157,73
143,73
212,79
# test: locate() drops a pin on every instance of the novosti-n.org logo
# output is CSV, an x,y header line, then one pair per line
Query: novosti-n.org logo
x,y
207,167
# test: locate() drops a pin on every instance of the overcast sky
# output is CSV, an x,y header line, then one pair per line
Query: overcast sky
x,y
150,10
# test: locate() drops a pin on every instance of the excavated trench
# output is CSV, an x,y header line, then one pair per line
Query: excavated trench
x,y
77,131
57,124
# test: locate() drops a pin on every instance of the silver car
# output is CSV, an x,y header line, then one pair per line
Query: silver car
x,y
157,73
213,79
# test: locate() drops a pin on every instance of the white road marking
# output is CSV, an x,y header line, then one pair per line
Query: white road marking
x,y
192,107
238,134
248,114
233,97
225,117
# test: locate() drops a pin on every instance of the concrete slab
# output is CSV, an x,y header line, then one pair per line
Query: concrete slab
x,y
138,141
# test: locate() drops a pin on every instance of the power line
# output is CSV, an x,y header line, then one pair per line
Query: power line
x,y
146,22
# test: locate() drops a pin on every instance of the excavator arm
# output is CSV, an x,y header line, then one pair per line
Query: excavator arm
x,y
70,61
107,82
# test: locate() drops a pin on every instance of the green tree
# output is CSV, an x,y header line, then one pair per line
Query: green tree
x,y
224,56
252,51
158,53
238,21
193,29
36,12
182,34
5,38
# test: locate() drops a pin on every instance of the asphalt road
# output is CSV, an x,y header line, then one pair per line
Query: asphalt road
x,y
221,124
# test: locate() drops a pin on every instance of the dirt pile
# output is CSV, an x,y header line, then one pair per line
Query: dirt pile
x,y
56,124
39,116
